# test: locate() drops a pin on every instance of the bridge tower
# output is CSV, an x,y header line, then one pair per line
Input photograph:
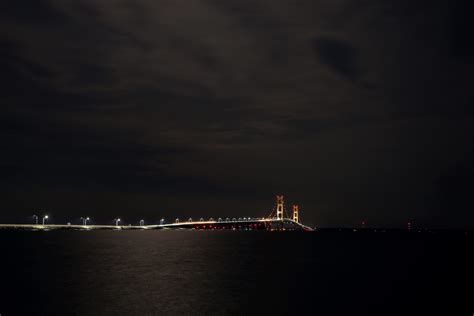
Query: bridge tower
x,y
296,213
279,211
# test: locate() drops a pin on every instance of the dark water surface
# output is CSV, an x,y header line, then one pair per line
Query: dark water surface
x,y
235,272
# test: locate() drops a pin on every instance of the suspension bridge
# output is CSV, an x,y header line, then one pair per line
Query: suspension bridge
x,y
278,220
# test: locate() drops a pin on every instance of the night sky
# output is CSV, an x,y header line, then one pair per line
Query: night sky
x,y
356,110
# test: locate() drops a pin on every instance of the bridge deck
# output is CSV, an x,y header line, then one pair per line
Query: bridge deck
x,y
267,224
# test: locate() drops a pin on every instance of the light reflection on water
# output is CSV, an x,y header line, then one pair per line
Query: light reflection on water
x,y
230,272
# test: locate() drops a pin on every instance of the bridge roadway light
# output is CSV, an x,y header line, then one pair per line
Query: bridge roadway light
x,y
142,222
45,218
117,221
85,220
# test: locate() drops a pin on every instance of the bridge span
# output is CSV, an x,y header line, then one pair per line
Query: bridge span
x,y
238,224
247,224
275,221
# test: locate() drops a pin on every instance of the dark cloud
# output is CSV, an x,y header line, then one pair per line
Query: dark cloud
x,y
354,109
462,43
27,12
338,55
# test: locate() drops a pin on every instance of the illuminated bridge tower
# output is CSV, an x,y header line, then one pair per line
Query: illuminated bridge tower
x,y
280,203
296,213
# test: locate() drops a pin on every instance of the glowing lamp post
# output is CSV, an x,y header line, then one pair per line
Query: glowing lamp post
x,y
45,218
117,221
142,222
85,220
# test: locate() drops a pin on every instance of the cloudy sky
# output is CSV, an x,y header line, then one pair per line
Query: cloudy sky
x,y
354,109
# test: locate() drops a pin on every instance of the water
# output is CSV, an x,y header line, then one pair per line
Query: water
x,y
234,273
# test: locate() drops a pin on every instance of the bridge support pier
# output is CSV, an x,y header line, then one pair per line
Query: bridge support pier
x,y
279,210
296,215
